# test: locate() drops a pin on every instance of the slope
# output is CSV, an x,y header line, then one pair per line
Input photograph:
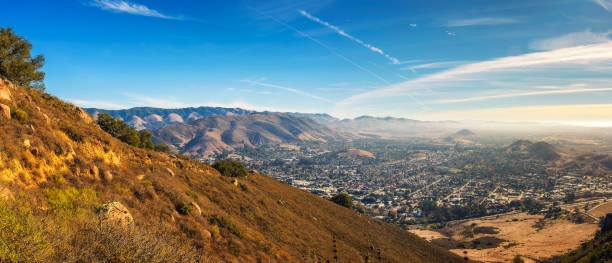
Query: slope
x,y
57,169
215,134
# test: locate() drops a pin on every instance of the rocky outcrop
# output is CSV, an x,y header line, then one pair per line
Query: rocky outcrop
x,y
84,115
5,93
114,215
5,111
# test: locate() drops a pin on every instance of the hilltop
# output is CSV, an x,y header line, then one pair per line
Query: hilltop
x,y
61,175
215,134
540,150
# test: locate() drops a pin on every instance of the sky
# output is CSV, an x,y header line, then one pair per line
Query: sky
x,y
548,61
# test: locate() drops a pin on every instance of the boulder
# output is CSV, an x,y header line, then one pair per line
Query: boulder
x,y
235,182
115,215
140,177
26,143
108,176
206,234
84,115
5,111
198,210
95,172
170,172
5,93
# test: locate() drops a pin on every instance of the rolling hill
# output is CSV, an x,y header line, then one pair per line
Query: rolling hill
x,y
62,179
539,150
215,134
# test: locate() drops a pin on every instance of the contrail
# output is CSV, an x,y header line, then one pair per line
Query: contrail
x,y
342,33
285,89
323,45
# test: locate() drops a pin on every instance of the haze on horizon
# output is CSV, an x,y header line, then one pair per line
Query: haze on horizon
x,y
535,61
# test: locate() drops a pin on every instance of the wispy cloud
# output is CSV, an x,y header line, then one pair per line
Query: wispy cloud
x,y
444,64
121,6
318,42
98,104
296,91
523,94
571,40
606,4
482,21
504,70
344,34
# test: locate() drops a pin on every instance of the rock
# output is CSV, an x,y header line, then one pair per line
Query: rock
x,y
115,215
95,172
35,151
26,143
47,120
170,172
140,177
26,97
108,176
5,93
198,210
5,111
84,115
206,234
235,182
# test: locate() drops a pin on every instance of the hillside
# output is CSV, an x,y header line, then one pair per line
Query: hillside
x,y
151,118
59,171
539,150
215,134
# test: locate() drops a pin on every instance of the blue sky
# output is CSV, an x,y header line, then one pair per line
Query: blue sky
x,y
431,60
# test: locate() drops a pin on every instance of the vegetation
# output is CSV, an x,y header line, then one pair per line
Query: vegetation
x,y
121,130
343,199
16,62
227,224
231,168
20,115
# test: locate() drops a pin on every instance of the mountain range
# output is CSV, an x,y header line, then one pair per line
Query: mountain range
x,y
215,134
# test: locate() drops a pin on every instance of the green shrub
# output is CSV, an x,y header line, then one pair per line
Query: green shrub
x,y
19,115
230,168
183,208
225,223
21,237
122,131
70,200
343,199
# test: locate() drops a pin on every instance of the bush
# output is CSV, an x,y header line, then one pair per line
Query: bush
x,y
16,62
19,115
21,237
343,199
122,131
231,168
69,201
183,208
225,223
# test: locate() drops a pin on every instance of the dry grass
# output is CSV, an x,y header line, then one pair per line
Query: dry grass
x,y
163,204
556,238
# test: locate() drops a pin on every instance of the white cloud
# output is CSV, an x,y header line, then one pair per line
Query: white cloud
x,y
480,75
524,94
571,40
413,25
606,4
482,21
444,64
121,6
296,91
344,34
452,34
97,104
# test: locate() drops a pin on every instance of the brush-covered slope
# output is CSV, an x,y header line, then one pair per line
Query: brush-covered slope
x,y
214,134
57,169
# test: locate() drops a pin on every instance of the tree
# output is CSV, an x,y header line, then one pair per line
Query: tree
x,y
145,140
343,199
16,62
230,168
518,259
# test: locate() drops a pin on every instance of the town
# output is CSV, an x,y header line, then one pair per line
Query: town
x,y
408,182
